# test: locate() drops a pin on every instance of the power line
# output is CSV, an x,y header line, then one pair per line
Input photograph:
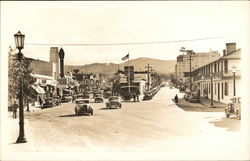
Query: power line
x,y
126,43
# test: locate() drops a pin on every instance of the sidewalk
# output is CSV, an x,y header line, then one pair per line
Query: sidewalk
x,y
204,106
13,133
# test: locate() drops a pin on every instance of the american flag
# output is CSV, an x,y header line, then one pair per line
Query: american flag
x,y
125,57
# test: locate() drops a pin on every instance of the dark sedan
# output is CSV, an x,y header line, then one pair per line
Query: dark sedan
x,y
49,102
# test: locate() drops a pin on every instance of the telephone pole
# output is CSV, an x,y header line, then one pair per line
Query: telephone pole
x,y
190,52
148,67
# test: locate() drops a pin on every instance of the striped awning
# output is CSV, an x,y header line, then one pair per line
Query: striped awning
x,y
38,89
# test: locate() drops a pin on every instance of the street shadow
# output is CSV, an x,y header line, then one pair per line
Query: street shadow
x,y
196,107
73,115
231,124
13,143
108,108
129,101
70,115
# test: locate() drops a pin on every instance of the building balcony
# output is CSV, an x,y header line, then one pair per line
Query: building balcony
x,y
216,75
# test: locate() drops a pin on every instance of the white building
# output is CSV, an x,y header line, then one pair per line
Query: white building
x,y
221,72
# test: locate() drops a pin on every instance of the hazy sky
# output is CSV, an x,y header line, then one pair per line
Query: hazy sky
x,y
122,22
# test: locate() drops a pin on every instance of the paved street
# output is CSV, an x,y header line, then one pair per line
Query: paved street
x,y
157,125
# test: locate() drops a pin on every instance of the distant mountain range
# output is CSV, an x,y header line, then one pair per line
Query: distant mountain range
x,y
160,66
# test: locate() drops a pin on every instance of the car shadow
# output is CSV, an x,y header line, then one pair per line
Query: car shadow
x,y
73,115
123,101
231,123
108,108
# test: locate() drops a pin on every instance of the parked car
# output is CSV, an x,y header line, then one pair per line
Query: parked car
x,y
49,102
57,100
107,94
194,98
86,96
114,102
187,95
83,107
66,98
147,96
98,98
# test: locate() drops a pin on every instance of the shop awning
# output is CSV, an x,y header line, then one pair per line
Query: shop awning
x,y
38,89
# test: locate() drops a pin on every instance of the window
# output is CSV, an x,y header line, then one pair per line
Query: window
x,y
226,89
222,95
226,66
209,88
214,88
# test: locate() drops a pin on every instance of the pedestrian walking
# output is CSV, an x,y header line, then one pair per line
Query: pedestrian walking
x,y
15,107
176,98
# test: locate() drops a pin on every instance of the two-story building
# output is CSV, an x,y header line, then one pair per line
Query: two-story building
x,y
198,59
221,78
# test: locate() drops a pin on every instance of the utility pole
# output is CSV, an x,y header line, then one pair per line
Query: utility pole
x,y
190,52
148,67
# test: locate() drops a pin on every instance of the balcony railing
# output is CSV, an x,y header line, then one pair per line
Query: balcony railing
x,y
216,75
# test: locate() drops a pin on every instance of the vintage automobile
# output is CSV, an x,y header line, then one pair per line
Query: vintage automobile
x,y
187,95
107,94
113,102
234,108
86,96
66,98
194,97
98,98
147,96
49,102
83,107
57,100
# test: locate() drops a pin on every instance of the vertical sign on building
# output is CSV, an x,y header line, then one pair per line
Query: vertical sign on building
x,y
129,70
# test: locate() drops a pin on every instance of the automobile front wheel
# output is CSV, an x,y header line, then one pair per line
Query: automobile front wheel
x,y
238,114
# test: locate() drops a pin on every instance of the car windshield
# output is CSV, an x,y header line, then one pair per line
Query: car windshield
x,y
82,101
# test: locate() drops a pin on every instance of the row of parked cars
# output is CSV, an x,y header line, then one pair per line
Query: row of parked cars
x,y
56,100
148,95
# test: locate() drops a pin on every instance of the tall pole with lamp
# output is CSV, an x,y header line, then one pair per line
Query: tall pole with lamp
x,y
19,40
234,72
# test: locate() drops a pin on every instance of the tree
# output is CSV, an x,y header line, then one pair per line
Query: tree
x,y
16,72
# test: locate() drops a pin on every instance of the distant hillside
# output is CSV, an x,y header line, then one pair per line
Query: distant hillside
x,y
160,66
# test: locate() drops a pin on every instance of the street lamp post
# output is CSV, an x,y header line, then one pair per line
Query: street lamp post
x,y
211,86
234,71
19,40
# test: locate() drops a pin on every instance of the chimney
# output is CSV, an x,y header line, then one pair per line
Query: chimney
x,y
224,52
231,47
